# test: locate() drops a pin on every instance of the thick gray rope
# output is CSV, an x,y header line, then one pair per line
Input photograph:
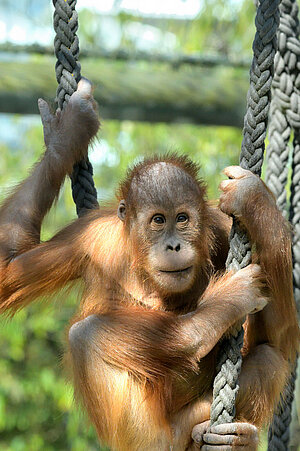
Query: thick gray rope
x,y
279,433
254,133
278,155
67,68
285,108
295,423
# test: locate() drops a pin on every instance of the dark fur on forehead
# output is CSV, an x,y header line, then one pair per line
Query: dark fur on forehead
x,y
180,161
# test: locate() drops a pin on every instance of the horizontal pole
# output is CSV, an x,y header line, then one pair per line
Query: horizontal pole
x,y
122,54
134,91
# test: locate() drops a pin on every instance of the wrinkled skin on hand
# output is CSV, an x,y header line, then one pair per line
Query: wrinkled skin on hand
x,y
241,186
72,128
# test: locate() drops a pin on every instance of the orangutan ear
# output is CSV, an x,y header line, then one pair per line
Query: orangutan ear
x,y
122,210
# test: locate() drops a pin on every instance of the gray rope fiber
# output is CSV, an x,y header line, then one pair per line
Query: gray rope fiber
x,y
285,118
279,431
67,68
284,107
254,133
278,156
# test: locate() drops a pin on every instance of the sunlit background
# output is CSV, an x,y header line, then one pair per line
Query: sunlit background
x,y
168,75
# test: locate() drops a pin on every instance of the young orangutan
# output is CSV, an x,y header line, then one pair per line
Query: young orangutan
x,y
143,347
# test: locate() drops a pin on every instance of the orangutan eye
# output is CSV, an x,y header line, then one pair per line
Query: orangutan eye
x,y
182,217
158,219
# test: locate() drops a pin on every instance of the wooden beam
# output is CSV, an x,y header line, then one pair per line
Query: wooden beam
x,y
134,91
122,54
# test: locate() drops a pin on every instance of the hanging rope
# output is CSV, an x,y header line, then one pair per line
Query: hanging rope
x,y
285,99
279,431
285,118
254,133
67,68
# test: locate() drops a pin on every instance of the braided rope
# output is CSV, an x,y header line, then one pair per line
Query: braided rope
x,y
279,433
67,68
285,101
254,133
278,155
286,108
83,188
